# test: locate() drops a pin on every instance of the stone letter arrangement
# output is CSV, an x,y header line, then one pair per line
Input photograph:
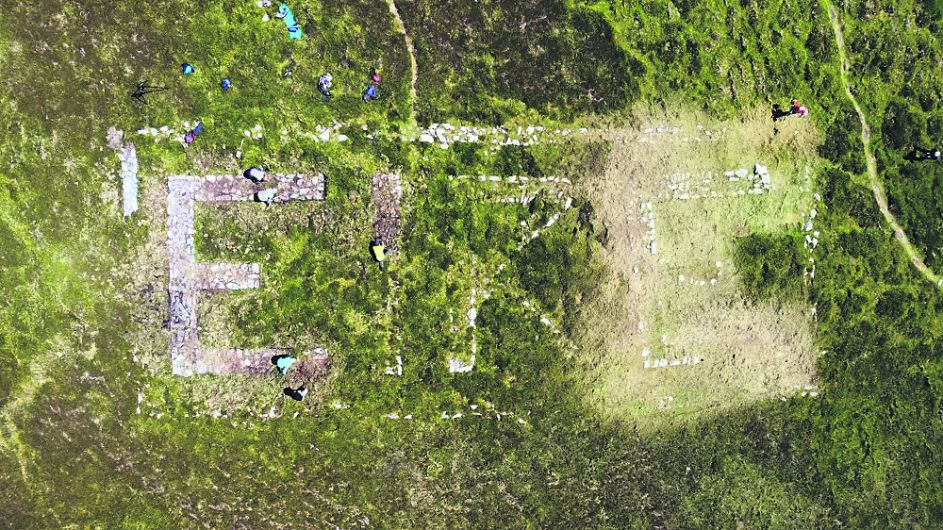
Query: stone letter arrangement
x,y
187,277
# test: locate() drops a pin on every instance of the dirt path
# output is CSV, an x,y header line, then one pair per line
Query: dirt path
x,y
413,65
873,177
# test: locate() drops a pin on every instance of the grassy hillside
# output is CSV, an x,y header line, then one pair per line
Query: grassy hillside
x,y
82,331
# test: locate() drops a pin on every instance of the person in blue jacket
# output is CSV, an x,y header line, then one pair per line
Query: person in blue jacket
x,y
193,133
370,93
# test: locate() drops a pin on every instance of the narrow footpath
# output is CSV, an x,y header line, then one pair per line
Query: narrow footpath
x,y
413,65
872,165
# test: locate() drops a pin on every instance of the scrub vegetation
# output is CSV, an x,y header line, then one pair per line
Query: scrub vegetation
x,y
558,425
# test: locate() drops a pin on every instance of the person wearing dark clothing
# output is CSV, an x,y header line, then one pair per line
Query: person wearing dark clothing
x,y
255,174
297,394
779,113
926,154
324,86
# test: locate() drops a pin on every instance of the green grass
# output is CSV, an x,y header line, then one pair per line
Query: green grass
x,y
73,451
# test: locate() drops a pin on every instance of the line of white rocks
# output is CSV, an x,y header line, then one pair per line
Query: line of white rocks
x,y
445,134
127,154
560,198
513,179
488,411
664,362
680,185
648,219
651,135
442,134
700,282
475,299
811,240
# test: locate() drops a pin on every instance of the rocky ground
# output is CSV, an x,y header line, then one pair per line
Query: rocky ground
x,y
387,194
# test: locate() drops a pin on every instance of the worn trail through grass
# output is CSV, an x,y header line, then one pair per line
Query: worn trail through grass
x,y
876,187
413,65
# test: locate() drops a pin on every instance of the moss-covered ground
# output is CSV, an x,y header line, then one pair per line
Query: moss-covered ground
x,y
82,331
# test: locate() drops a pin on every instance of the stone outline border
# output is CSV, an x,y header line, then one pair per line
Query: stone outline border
x,y
187,277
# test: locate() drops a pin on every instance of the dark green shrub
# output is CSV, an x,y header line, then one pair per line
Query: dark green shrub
x,y
770,265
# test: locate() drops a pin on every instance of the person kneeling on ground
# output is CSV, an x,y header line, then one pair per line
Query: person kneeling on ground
x,y
192,134
266,196
255,174
796,109
379,251
370,93
324,86
374,76
283,362
296,394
